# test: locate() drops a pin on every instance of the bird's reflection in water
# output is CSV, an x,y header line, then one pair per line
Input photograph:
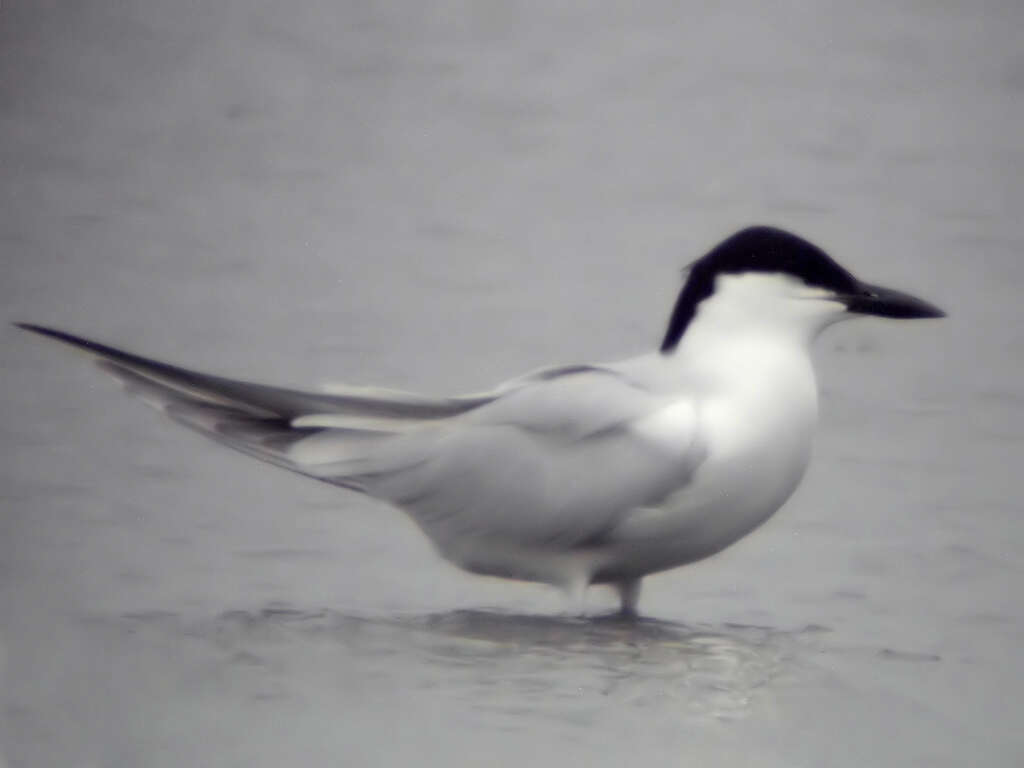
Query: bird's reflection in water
x,y
554,661
510,665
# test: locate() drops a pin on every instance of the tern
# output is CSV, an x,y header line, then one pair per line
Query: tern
x,y
580,474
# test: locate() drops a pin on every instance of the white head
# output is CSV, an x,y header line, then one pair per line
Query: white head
x,y
768,280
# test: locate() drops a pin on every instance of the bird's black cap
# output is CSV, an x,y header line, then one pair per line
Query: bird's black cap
x,y
754,249
769,249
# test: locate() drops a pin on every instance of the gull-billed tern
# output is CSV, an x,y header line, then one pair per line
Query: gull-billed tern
x,y
580,474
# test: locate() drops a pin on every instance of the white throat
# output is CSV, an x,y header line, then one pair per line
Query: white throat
x,y
746,356
771,307
749,343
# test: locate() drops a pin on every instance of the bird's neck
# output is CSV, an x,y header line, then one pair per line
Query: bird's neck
x,y
756,360
757,395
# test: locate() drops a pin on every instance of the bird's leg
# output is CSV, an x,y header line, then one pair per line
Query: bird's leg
x,y
629,597
575,594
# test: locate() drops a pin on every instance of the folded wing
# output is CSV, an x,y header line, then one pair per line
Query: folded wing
x,y
260,420
556,462
552,459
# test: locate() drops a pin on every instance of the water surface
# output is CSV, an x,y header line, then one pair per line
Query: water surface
x,y
437,196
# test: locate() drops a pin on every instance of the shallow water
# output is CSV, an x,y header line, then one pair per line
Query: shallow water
x,y
462,686
437,196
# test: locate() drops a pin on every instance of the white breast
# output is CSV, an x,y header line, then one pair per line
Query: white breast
x,y
755,418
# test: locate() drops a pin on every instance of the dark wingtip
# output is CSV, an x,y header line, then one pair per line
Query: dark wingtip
x,y
42,330
69,338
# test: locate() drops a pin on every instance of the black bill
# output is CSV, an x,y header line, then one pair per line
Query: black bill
x,y
885,302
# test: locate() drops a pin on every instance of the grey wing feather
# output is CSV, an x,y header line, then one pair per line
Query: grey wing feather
x,y
554,463
551,458
260,398
261,435
260,420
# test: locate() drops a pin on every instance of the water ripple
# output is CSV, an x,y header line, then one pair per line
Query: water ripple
x,y
558,668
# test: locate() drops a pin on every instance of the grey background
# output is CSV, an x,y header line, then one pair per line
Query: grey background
x,y
439,195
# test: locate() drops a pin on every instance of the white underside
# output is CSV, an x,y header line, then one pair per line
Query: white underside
x,y
757,438
571,476
745,392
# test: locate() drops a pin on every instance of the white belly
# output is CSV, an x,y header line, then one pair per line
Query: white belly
x,y
758,447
